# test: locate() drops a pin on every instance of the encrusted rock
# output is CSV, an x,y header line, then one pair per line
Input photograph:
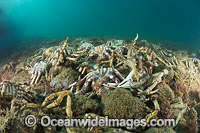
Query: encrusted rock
x,y
64,79
81,104
120,103
165,93
165,97
55,70
160,130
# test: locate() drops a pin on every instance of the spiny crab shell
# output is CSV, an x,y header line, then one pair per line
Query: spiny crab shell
x,y
97,79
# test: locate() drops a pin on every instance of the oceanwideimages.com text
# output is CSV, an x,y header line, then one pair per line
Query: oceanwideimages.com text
x,y
46,121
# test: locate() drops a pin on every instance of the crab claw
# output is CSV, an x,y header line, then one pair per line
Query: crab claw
x,y
133,84
125,85
127,80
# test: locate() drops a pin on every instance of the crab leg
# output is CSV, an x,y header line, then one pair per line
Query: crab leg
x,y
64,45
3,89
119,75
85,85
60,95
107,54
83,70
68,107
120,57
133,84
154,113
78,52
60,57
130,58
111,60
56,102
112,85
180,115
32,105
38,77
116,80
33,74
156,81
134,42
34,77
160,60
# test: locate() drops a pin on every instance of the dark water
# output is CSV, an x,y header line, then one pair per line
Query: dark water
x,y
173,20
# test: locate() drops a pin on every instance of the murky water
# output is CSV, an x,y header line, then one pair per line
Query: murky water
x,y
172,20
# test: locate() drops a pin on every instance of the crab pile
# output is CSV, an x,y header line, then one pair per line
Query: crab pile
x,y
61,75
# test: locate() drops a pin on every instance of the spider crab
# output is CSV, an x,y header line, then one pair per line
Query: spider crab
x,y
37,71
18,92
85,46
98,79
56,55
101,52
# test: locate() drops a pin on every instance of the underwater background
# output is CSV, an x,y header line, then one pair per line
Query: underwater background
x,y
70,59
175,21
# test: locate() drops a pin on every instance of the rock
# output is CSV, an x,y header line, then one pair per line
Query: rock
x,y
64,79
120,103
77,130
81,104
165,93
160,130
55,70
116,130
164,98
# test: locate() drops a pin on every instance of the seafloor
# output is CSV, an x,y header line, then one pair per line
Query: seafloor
x,y
121,79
